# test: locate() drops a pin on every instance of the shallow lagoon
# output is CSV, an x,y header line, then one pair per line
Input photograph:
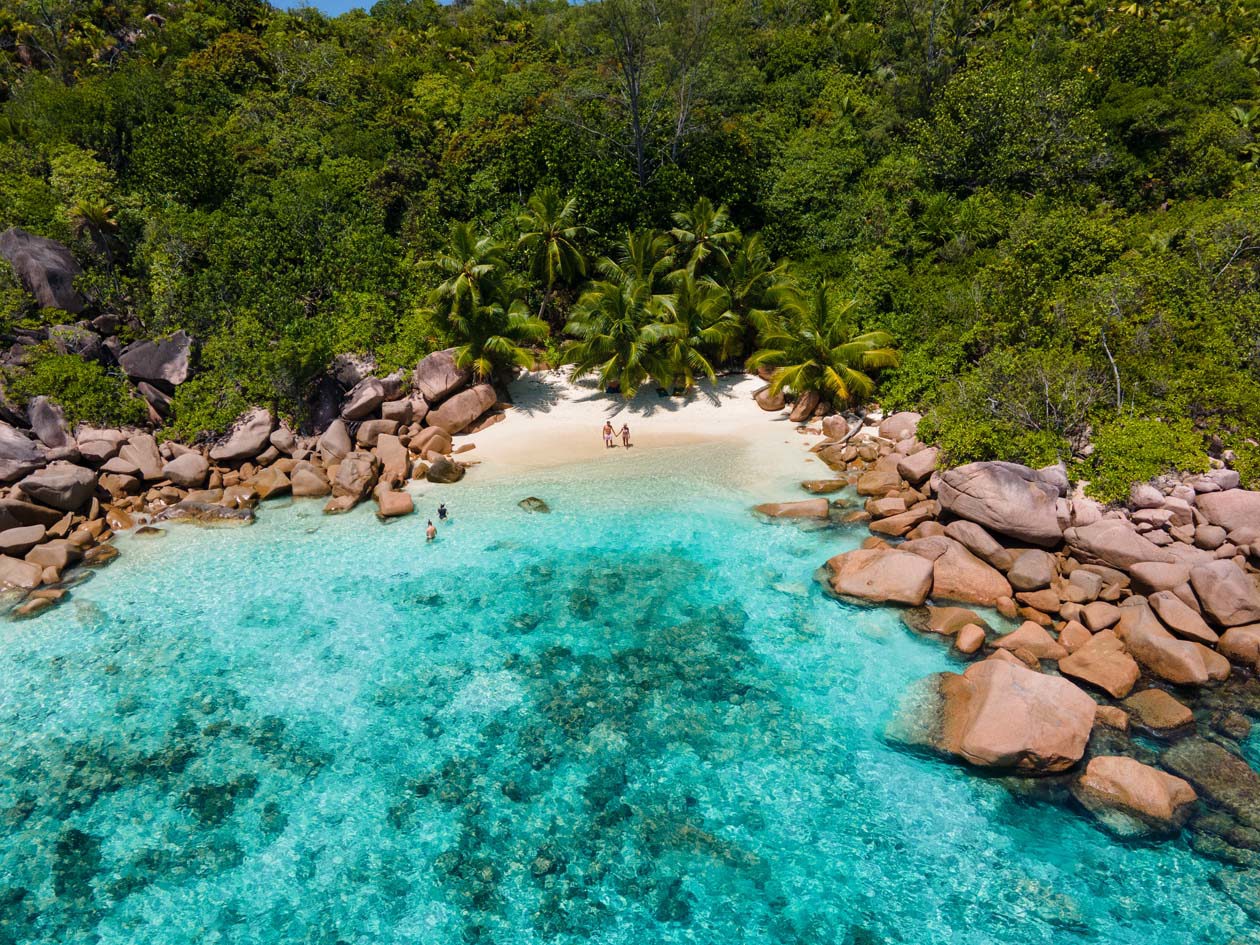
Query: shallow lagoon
x,y
632,720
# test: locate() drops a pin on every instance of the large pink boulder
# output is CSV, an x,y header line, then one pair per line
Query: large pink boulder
x,y
1132,798
462,409
900,426
1181,619
46,269
1228,594
1101,661
1232,509
436,377
249,437
1242,645
960,575
1146,640
1115,542
1006,498
805,508
999,714
917,467
881,575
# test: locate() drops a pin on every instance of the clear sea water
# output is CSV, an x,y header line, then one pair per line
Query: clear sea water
x,y
632,720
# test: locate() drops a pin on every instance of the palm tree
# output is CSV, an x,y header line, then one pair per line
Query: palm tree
x,y
472,268
612,324
644,256
817,350
549,235
495,337
693,326
703,233
480,304
750,291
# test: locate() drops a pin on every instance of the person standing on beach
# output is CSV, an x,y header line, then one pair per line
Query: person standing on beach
x,y
608,434
431,532
625,435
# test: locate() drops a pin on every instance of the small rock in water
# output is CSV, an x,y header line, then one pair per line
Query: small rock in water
x,y
534,504
148,531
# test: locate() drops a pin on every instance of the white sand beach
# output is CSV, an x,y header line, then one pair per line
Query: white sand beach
x,y
556,422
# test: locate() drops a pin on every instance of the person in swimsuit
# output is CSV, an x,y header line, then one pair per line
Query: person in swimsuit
x,y
442,512
608,434
431,532
625,435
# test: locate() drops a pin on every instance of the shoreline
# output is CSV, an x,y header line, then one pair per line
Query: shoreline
x,y
555,422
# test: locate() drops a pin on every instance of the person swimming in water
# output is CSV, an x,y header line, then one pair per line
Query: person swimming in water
x,y
625,435
442,512
430,533
609,433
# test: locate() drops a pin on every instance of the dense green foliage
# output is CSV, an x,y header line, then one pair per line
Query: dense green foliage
x,y
84,390
1052,208
1132,450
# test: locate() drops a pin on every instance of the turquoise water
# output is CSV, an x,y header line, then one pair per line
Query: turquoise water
x,y
632,720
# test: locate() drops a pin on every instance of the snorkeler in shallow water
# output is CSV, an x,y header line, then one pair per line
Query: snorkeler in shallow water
x,y
441,512
430,533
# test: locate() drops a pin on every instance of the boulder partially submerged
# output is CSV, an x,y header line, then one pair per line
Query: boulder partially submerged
x,y
998,715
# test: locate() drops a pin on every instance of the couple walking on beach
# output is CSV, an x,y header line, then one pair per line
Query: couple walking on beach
x,y
610,435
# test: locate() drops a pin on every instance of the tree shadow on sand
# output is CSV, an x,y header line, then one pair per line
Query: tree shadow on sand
x,y
538,393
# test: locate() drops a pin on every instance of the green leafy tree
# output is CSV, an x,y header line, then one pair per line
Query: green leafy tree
x,y
694,327
612,324
819,350
702,235
549,234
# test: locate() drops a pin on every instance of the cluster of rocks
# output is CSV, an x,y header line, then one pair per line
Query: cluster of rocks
x,y
1136,620
64,493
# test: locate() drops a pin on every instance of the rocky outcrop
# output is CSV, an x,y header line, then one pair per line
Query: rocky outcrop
x,y
19,454
804,509
356,475
999,715
1131,798
1006,498
1219,776
881,576
392,503
456,413
167,361
250,436
959,575
1229,596
1103,663
204,513
62,486
1114,542
188,471
1242,645
307,480
768,401
46,269
444,470
48,422
436,377
900,426
1232,509
1158,711
334,443
1146,640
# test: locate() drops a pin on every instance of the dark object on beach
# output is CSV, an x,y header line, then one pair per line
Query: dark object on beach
x,y
534,504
